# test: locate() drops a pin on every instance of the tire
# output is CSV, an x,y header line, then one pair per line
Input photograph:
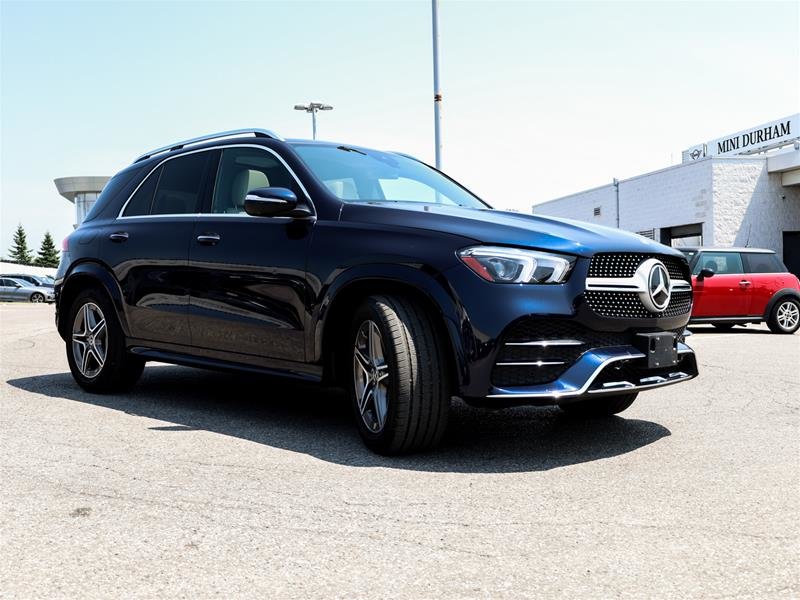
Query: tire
x,y
785,316
37,297
117,370
723,326
603,406
392,350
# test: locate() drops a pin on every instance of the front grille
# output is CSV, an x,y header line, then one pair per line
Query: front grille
x,y
625,265
628,305
529,330
621,304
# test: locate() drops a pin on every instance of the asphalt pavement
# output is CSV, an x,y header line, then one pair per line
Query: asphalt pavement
x,y
211,485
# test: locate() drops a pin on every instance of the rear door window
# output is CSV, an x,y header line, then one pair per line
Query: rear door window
x,y
722,263
762,262
180,187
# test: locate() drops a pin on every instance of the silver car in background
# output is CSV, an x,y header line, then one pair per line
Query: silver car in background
x,y
19,290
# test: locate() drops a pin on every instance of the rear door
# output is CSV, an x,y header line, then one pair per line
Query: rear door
x,y
726,294
6,289
763,274
249,291
148,248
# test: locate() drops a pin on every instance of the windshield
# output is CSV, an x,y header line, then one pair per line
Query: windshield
x,y
361,175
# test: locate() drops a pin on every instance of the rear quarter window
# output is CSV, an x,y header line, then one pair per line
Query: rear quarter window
x,y
760,262
110,193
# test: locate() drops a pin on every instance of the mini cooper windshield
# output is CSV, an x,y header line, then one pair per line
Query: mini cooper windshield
x,y
362,175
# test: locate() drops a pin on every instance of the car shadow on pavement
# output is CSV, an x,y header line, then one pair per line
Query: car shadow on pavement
x,y
315,421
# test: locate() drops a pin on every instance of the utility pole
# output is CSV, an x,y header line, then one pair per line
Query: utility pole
x,y
437,92
313,107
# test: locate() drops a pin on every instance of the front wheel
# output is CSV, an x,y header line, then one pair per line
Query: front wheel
x,y
37,297
602,406
96,349
399,384
785,316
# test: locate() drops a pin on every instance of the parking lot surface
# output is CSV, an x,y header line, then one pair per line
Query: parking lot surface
x,y
204,485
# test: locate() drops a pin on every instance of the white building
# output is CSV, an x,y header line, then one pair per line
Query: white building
x,y
81,191
739,190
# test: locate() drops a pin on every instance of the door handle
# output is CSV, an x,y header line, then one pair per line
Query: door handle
x,y
744,283
119,236
208,239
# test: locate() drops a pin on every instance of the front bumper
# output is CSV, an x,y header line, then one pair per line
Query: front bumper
x,y
613,370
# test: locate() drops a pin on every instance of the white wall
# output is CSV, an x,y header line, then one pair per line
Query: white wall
x,y
11,268
678,195
751,206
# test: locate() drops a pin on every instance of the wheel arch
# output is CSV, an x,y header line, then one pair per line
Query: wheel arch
x,y
81,277
334,318
777,297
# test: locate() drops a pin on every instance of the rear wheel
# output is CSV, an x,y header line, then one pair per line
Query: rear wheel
x,y
785,316
96,346
400,388
37,297
601,406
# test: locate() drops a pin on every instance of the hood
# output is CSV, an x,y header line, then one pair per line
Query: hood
x,y
505,228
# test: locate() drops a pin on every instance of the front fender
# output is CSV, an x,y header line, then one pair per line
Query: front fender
x,y
432,285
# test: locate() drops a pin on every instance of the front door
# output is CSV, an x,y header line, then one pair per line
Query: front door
x,y
249,292
726,293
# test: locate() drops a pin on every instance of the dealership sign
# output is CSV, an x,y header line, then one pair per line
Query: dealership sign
x,y
749,141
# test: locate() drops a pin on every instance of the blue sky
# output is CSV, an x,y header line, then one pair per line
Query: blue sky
x,y
540,99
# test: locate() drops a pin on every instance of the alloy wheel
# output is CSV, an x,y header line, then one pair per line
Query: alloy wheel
x,y
89,340
371,376
788,315
37,297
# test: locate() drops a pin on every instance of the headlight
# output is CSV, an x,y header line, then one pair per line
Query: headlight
x,y
514,265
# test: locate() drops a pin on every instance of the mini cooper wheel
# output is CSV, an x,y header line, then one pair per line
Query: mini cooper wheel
x,y
96,346
37,297
399,384
601,406
785,317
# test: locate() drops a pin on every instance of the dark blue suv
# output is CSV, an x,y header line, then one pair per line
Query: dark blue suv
x,y
369,270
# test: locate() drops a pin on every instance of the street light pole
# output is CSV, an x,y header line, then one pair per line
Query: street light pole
x,y
313,107
437,92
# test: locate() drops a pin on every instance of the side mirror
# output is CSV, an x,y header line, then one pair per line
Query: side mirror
x,y
270,202
705,273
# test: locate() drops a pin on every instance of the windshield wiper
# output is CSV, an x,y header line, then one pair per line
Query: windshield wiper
x,y
346,149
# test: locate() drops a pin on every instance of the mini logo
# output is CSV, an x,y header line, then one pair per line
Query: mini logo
x,y
695,154
657,292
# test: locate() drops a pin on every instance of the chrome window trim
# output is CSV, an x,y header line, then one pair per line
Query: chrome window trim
x,y
120,215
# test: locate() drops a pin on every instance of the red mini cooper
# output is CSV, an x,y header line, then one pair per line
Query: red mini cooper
x,y
734,286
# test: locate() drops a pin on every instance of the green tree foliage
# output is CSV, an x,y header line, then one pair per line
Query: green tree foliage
x,y
19,252
48,254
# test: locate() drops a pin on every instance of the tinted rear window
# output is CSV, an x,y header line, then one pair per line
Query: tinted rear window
x,y
112,189
140,202
759,262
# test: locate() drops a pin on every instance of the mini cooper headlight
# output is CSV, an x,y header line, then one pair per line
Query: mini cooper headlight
x,y
514,265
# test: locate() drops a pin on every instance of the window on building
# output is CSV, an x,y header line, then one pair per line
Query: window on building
x,y
683,235
648,233
762,262
722,263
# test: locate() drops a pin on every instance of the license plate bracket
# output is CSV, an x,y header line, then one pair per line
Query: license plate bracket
x,y
661,349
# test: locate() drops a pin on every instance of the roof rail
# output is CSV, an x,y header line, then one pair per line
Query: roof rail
x,y
211,136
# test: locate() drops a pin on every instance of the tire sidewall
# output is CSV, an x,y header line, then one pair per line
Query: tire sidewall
x,y
368,312
777,326
114,339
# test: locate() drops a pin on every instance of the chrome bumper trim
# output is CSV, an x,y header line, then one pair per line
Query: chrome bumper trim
x,y
546,343
537,363
576,380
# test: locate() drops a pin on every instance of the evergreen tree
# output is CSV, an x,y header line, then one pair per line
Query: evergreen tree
x,y
48,254
19,252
